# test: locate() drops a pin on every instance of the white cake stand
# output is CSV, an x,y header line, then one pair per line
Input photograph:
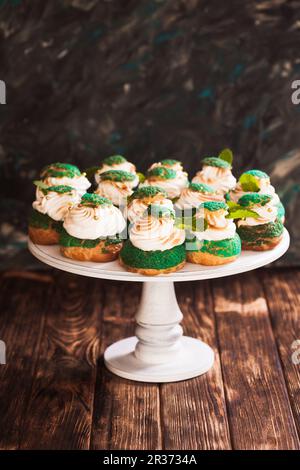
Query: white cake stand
x,y
159,352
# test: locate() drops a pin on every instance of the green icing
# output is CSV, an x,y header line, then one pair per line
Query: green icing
x,y
60,189
216,161
257,234
224,248
69,241
251,199
213,206
114,160
91,199
162,172
281,210
59,170
117,175
147,191
170,162
201,188
257,173
39,220
137,258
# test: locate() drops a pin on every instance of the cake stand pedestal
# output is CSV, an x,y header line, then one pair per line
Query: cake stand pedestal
x,y
159,352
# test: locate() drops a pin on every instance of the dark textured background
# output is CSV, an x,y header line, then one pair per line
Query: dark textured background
x,y
148,79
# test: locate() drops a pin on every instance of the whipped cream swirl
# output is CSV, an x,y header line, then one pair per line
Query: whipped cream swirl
x,y
265,188
80,183
266,214
172,186
116,191
220,179
86,222
219,228
189,199
55,204
137,207
151,233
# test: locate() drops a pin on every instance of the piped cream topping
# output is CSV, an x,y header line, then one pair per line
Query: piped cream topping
x,y
151,233
80,183
220,179
55,204
266,214
86,222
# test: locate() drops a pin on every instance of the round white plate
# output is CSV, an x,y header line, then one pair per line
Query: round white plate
x,y
191,272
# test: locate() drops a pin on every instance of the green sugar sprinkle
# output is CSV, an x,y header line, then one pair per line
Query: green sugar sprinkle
x,y
170,162
137,258
60,189
257,234
251,199
69,241
215,161
91,199
39,220
257,173
114,160
59,170
213,206
162,172
223,248
117,175
201,188
281,210
147,191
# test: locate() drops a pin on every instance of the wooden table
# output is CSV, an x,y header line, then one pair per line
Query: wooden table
x,y
56,394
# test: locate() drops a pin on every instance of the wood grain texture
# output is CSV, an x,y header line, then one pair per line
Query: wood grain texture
x,y
194,411
283,297
127,414
259,412
59,413
56,393
22,320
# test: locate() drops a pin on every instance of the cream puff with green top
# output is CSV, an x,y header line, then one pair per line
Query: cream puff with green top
x,y
216,173
117,185
166,178
257,222
115,162
213,239
49,210
256,181
175,165
155,245
58,174
92,230
194,195
142,198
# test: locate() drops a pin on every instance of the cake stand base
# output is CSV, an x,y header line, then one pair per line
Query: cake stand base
x,y
194,358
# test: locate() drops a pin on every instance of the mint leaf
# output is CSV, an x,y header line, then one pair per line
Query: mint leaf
x,y
227,156
40,184
141,177
241,213
249,183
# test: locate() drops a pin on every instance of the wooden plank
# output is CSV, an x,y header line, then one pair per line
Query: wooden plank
x,y
21,325
257,402
126,413
283,298
194,411
59,414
